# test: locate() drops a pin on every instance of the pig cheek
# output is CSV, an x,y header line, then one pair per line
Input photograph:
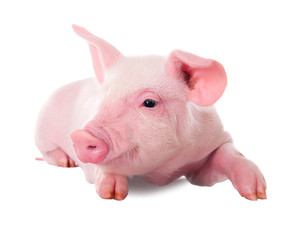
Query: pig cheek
x,y
120,138
157,138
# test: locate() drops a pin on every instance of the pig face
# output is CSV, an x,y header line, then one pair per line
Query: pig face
x,y
142,113
138,123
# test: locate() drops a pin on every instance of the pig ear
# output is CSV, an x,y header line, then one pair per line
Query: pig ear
x,y
104,55
206,79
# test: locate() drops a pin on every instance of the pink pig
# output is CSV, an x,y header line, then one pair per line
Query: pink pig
x,y
148,116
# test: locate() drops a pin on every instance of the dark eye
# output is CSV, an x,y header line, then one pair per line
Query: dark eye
x,y
149,103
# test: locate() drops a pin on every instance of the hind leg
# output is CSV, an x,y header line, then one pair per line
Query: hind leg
x,y
59,158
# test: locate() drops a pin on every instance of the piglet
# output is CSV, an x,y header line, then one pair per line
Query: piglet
x,y
147,116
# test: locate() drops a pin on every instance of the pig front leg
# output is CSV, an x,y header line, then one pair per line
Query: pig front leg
x,y
111,186
59,158
227,163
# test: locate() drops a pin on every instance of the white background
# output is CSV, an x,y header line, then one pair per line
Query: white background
x,y
258,42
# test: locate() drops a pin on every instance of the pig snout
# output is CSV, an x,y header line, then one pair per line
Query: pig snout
x,y
88,148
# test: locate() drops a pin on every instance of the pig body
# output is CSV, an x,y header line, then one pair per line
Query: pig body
x,y
146,116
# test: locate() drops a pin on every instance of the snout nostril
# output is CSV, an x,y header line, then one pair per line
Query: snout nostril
x,y
91,147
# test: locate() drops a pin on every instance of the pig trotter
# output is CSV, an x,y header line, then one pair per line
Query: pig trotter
x,y
110,186
59,158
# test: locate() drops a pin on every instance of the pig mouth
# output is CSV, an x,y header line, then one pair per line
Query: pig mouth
x,y
123,164
122,160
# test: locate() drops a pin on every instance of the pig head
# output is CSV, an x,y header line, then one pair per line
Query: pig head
x,y
142,118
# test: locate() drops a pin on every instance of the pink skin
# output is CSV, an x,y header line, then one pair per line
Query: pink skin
x,y
147,116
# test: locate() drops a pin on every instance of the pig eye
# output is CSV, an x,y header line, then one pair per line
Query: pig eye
x,y
150,103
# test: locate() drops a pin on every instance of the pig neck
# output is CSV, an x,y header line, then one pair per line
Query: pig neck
x,y
202,134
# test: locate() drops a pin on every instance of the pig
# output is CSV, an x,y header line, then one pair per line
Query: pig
x,y
149,116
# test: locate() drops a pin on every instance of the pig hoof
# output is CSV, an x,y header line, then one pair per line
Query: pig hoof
x,y
59,158
112,187
249,181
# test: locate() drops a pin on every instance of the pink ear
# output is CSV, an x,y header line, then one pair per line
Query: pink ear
x,y
104,55
206,79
